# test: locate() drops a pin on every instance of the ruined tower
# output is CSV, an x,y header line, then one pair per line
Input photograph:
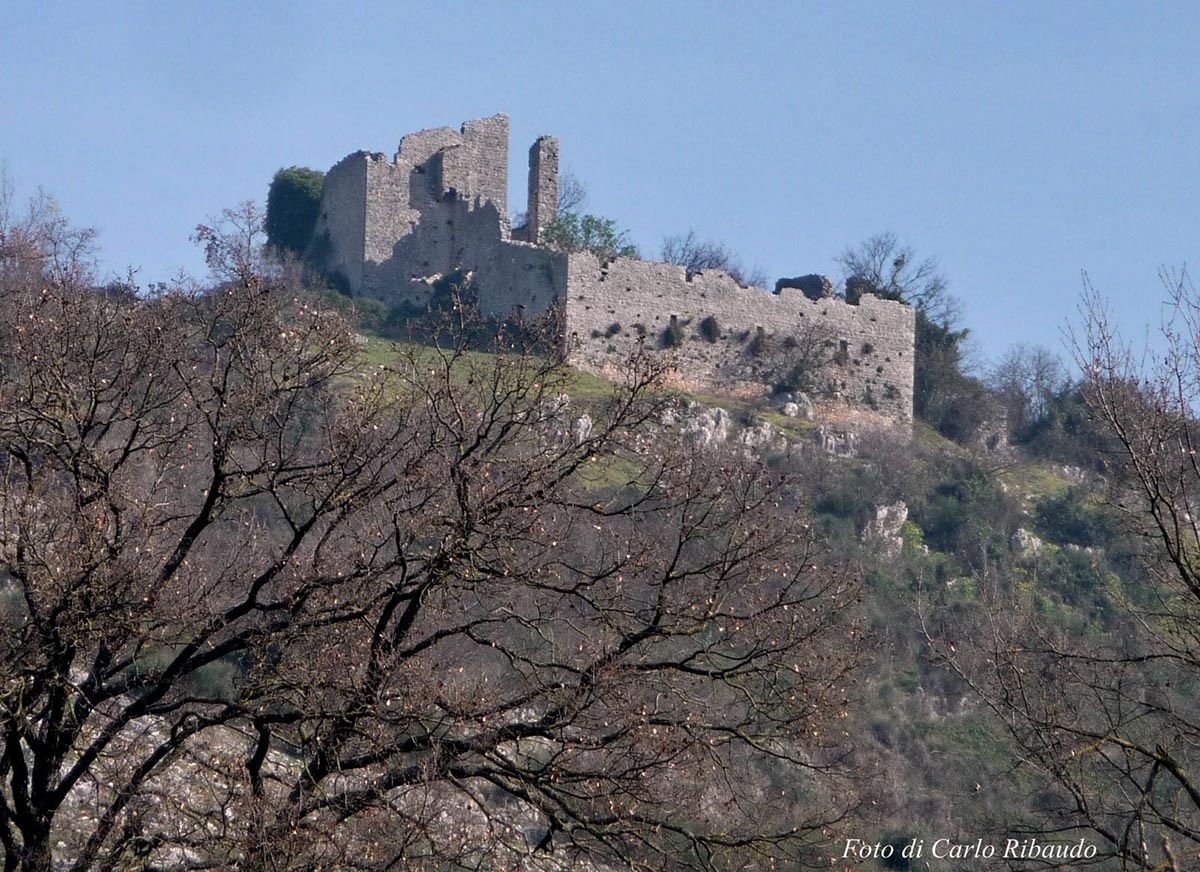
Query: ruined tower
x,y
390,228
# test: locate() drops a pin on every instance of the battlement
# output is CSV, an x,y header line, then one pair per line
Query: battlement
x,y
388,227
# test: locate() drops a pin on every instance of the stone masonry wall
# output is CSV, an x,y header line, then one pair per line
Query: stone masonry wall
x,y
391,228
340,231
543,186
756,337
370,203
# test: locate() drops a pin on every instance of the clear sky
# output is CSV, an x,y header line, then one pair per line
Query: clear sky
x,y
1019,142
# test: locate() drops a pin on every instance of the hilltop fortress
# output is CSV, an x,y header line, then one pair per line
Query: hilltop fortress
x,y
389,228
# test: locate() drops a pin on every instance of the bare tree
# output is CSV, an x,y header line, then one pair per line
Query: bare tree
x,y
572,194
41,242
572,197
1026,380
883,266
1112,717
696,255
266,608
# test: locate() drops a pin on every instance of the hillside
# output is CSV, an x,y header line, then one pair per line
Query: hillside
x,y
948,539
282,591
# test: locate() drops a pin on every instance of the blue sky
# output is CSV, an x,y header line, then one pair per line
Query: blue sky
x,y
1019,142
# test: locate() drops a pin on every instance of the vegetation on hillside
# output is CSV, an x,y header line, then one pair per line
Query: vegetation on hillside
x,y
275,595
293,201
267,607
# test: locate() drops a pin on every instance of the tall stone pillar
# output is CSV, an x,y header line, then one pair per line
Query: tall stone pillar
x,y
543,186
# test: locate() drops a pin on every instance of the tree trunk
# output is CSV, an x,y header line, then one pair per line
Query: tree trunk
x,y
35,856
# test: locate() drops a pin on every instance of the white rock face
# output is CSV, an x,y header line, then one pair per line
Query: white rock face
x,y
1025,544
794,405
557,405
758,437
837,442
581,429
705,428
883,531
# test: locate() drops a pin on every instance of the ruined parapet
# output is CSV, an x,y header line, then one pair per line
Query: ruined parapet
x,y
392,229
371,204
543,187
813,286
721,336
476,168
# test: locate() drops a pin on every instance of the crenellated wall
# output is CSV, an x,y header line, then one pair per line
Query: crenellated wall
x,y
755,338
390,228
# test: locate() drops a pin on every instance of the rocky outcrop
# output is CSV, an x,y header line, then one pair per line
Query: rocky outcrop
x,y
990,435
704,428
1025,545
794,405
882,532
839,443
758,437
581,429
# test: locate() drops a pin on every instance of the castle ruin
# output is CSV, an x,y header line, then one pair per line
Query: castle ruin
x,y
390,228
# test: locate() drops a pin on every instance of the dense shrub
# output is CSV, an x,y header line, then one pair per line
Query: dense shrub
x,y
570,233
673,336
1074,518
293,201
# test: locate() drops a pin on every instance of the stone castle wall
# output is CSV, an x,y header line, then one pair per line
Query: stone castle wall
x,y
390,228
382,223
543,187
340,234
755,338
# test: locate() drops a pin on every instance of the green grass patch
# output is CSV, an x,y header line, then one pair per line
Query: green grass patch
x,y
1033,481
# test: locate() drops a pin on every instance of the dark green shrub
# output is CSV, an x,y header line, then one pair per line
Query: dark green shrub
x,y
449,289
1074,518
795,378
570,233
673,336
759,344
293,201
340,282
897,839
1064,431
710,329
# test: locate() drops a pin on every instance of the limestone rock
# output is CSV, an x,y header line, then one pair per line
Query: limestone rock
x,y
581,429
794,404
1074,474
556,406
991,434
705,428
1025,544
883,531
804,407
839,443
758,437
